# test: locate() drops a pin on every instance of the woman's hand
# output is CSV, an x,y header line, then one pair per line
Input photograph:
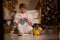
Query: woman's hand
x,y
26,18
19,20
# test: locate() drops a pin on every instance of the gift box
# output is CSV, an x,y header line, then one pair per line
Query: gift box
x,y
36,29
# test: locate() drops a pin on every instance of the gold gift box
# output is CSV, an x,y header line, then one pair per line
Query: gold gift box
x,y
36,31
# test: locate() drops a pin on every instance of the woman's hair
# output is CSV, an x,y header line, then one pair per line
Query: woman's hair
x,y
22,5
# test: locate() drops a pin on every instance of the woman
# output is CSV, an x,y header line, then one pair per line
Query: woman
x,y
24,20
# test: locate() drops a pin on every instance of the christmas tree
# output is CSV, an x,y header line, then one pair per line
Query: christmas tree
x,y
49,11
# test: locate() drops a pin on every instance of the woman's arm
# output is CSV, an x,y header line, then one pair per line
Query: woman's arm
x,y
29,21
19,21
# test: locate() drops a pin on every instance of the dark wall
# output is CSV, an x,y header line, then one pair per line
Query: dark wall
x,y
58,1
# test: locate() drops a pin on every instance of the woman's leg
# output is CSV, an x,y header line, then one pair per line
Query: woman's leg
x,y
28,29
20,30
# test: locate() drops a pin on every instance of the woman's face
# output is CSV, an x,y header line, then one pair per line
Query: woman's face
x,y
23,10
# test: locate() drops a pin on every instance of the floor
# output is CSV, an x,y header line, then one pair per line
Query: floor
x,y
48,36
59,35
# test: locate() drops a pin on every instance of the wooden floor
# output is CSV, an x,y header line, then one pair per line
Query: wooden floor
x,y
59,35
48,36
42,36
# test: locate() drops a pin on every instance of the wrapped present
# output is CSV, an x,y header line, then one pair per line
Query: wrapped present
x,y
36,29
